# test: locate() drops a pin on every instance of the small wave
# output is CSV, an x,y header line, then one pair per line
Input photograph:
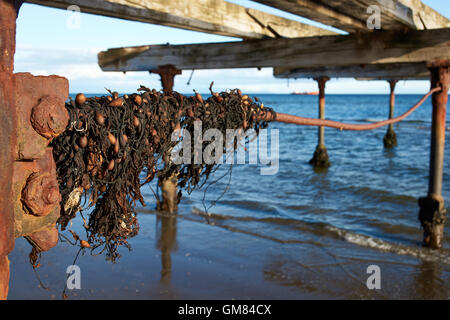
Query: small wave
x,y
320,228
378,194
215,220
223,217
250,205
382,245
415,121
371,120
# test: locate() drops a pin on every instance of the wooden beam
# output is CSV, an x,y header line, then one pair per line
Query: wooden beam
x,y
373,48
391,71
395,14
351,15
319,12
426,17
211,16
387,78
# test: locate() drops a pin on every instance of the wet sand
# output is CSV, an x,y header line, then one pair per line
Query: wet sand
x,y
182,258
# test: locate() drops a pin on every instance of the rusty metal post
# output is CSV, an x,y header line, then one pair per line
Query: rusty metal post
x,y
169,188
390,138
9,10
33,109
320,157
321,82
432,209
167,74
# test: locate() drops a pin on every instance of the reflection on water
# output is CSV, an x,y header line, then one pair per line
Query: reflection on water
x,y
320,170
429,283
389,153
166,235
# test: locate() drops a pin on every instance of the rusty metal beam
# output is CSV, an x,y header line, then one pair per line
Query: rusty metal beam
x,y
9,10
320,156
169,197
321,83
432,208
167,74
390,138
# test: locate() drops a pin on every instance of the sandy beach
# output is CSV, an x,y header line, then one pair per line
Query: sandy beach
x,y
187,258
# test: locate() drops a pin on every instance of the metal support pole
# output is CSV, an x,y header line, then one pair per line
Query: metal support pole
x,y
169,188
432,209
167,74
9,10
321,83
320,157
390,138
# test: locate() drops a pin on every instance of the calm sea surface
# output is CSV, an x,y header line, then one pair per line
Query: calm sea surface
x,y
299,234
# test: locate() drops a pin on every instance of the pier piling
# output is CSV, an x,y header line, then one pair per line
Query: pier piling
x,y
169,202
167,74
320,157
432,210
390,138
9,10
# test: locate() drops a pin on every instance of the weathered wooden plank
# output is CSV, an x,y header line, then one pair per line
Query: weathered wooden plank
x,y
424,77
394,71
373,48
211,16
351,15
425,17
395,14
317,11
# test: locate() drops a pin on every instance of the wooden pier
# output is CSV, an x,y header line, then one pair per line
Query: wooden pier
x,y
413,42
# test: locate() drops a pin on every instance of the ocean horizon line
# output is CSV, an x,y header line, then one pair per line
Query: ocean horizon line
x,y
260,93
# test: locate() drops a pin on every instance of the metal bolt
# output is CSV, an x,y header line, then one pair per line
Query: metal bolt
x,y
40,195
49,118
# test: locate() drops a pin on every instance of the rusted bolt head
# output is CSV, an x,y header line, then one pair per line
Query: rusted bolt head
x,y
45,239
40,195
53,196
49,117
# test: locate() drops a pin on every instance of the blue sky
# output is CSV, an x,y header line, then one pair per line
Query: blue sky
x,y
45,45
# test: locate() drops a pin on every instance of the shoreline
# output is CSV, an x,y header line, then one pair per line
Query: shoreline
x,y
179,258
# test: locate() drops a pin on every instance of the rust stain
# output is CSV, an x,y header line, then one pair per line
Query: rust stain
x,y
8,124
